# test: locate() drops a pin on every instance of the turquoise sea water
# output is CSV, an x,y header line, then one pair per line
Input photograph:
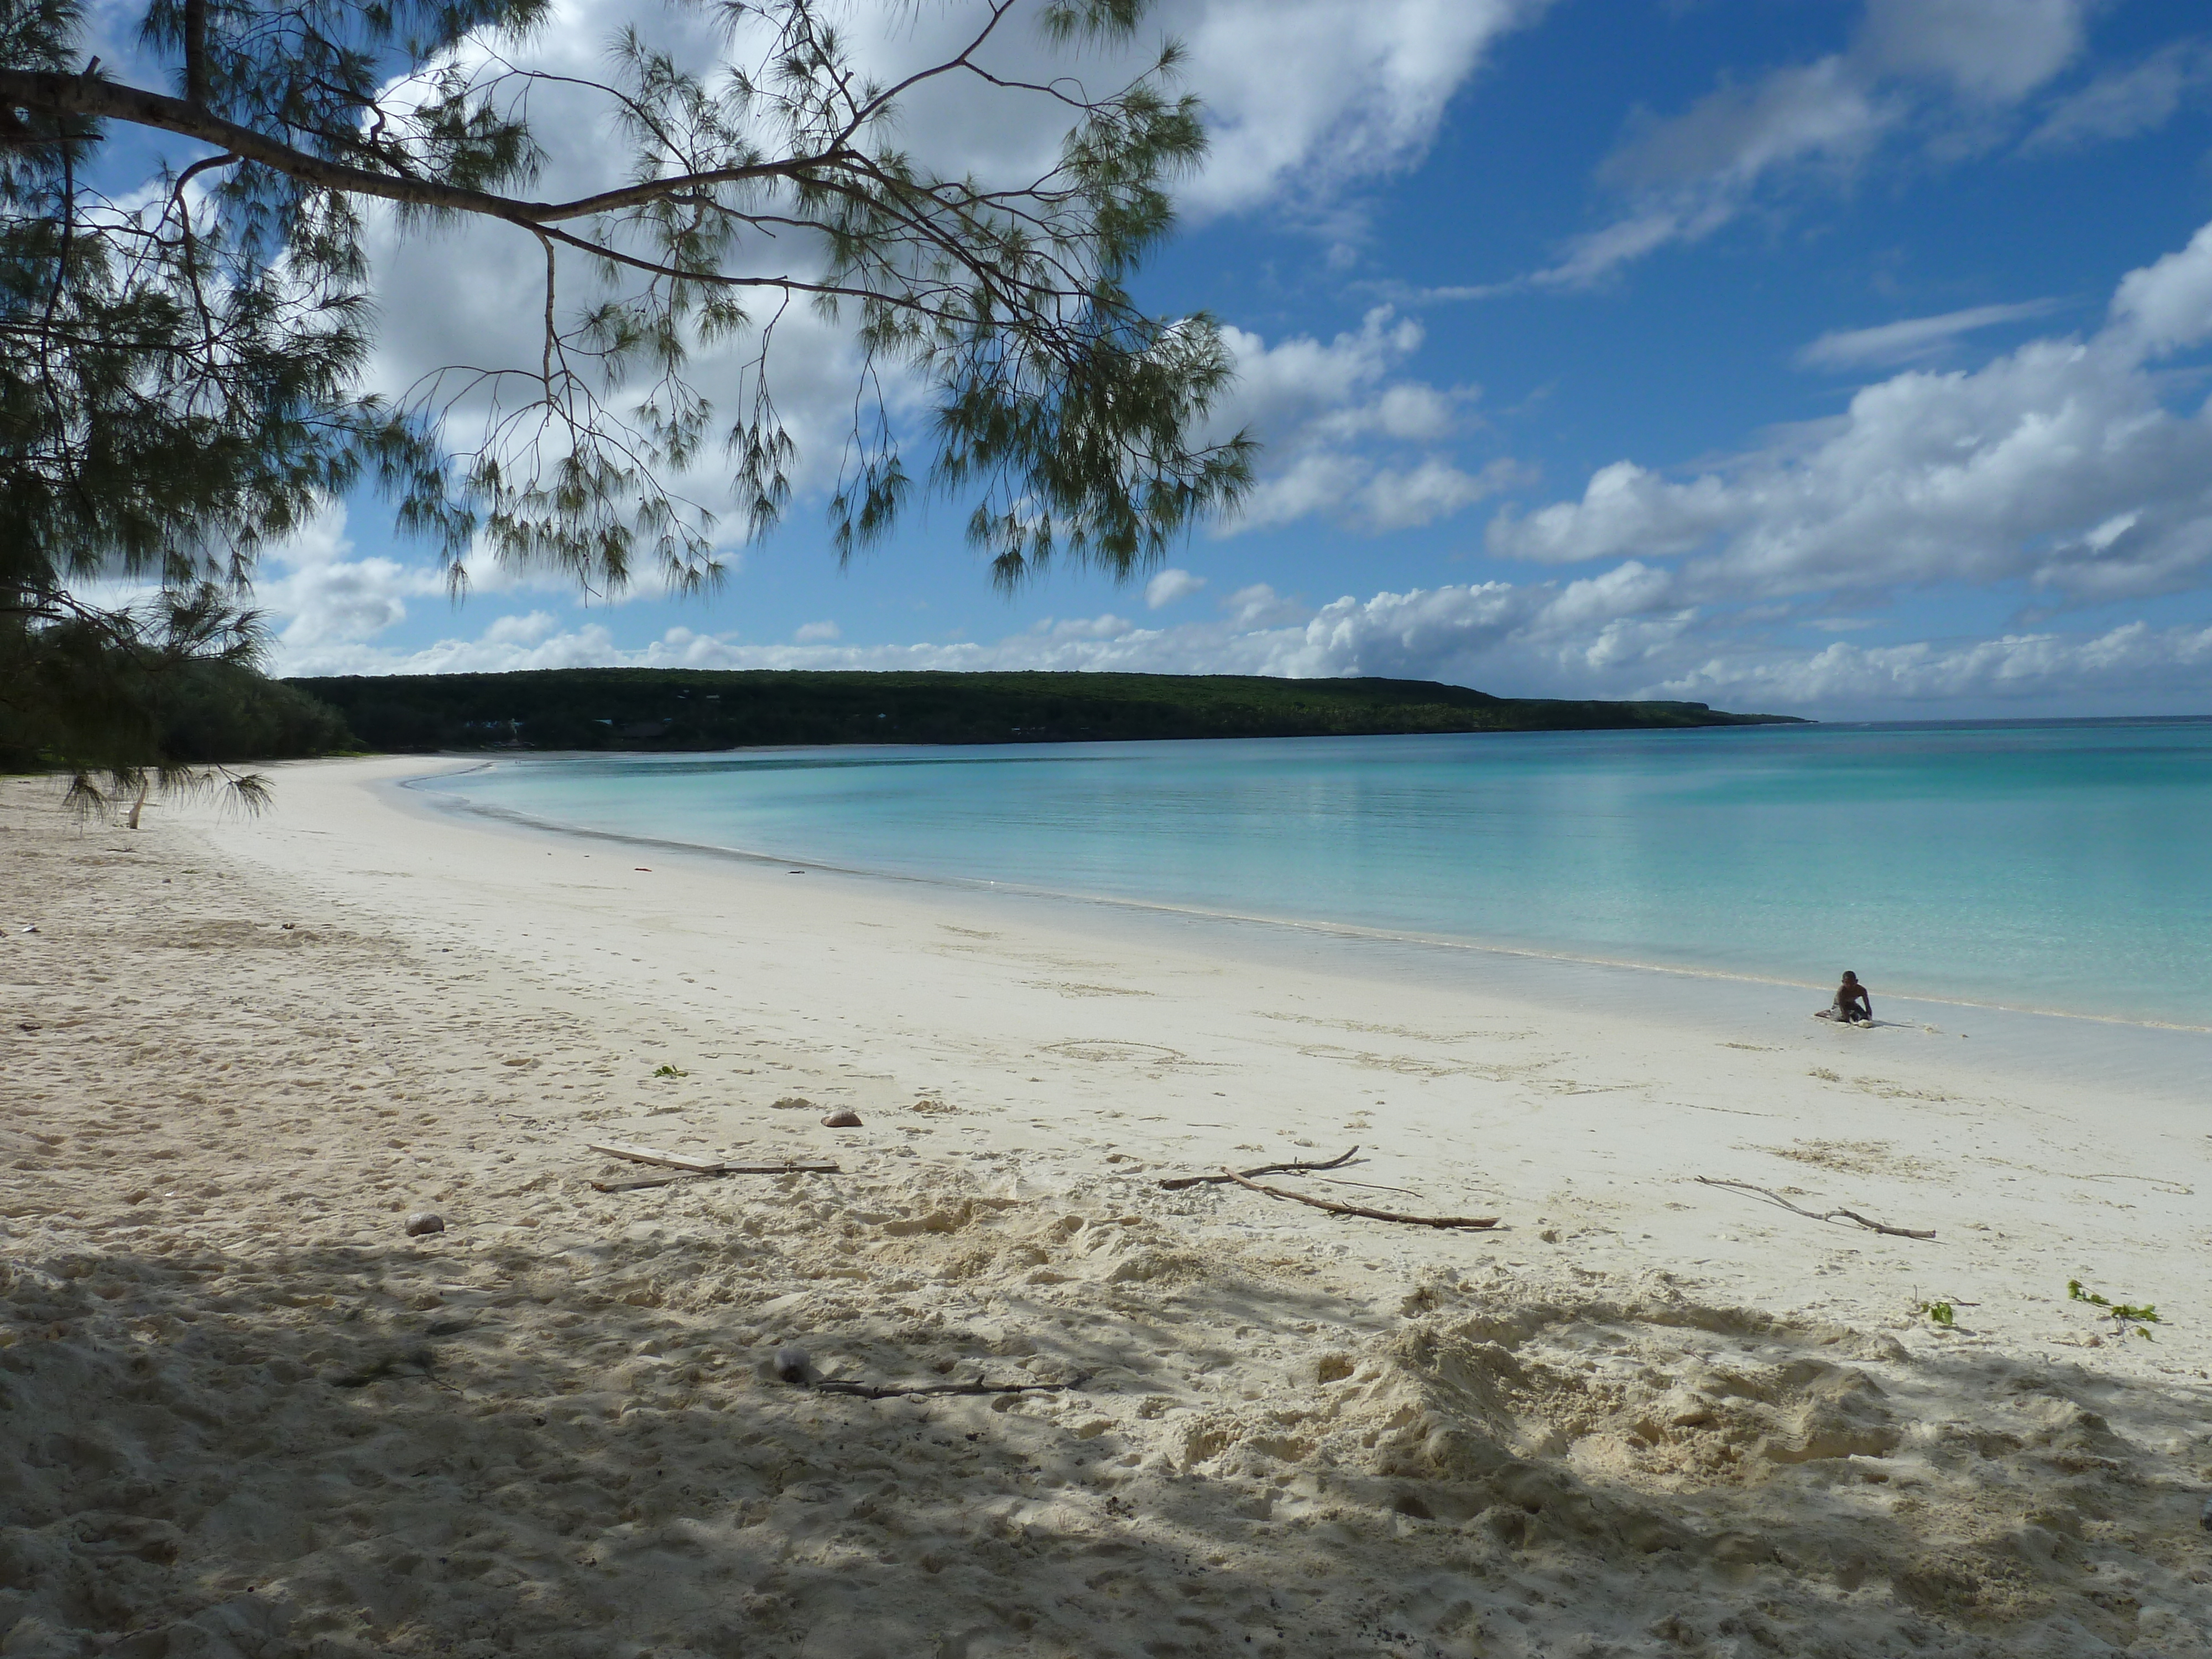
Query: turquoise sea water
x,y
2060,866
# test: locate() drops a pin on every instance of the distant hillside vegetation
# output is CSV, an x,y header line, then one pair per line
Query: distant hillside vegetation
x,y
641,708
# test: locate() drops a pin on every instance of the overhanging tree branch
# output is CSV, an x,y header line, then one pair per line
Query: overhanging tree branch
x,y
182,365
89,97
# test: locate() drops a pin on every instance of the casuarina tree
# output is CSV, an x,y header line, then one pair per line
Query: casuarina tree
x,y
189,277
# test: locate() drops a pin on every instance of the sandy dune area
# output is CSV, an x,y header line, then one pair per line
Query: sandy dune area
x,y
246,1413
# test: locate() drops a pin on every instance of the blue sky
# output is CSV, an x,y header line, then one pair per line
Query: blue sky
x,y
1834,358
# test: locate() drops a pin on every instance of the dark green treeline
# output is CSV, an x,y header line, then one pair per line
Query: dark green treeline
x,y
632,708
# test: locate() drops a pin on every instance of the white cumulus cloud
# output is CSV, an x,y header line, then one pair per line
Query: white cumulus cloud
x,y
1347,439
2058,465
1164,589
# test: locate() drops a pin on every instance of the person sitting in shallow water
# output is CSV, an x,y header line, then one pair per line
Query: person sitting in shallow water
x,y
1853,1004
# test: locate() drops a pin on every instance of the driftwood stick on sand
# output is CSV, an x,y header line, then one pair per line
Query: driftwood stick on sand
x,y
1175,1183
899,1391
622,1149
700,1168
1821,1215
1371,1215
688,1179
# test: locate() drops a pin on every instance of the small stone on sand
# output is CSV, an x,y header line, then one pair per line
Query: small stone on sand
x,y
842,1120
425,1221
792,1365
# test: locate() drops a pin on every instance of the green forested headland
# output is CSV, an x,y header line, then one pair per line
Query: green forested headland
x,y
638,708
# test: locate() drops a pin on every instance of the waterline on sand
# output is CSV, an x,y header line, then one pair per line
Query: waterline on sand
x,y
2155,1059
2064,867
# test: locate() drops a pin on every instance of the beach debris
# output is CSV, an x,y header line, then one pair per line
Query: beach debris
x,y
1820,1215
425,1221
669,1070
2204,1516
908,1391
1471,1221
32,929
415,1362
1175,1183
793,1364
844,1118
792,1103
2125,1315
622,1149
714,1174
1945,1314
693,1168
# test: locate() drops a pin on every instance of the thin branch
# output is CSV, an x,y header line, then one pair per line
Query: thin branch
x,y
895,1391
1468,1221
545,360
704,1166
1177,1183
862,113
692,1178
1819,1215
190,250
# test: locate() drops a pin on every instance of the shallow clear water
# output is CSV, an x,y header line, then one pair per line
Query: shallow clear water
x,y
2063,866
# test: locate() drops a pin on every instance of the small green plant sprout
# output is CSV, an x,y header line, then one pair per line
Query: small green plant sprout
x,y
668,1071
2125,1316
1939,1313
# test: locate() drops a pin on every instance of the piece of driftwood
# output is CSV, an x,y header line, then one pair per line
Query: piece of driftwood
x,y
1175,1183
904,1391
693,1168
1821,1215
622,1149
1469,1221
703,1166
714,1174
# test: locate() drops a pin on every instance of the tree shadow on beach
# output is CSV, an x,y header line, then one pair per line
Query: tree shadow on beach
x,y
487,1448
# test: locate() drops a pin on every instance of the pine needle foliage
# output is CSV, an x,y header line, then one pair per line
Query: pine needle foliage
x,y
184,343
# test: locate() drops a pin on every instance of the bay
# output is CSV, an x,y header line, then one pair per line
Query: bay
x,y
2063,866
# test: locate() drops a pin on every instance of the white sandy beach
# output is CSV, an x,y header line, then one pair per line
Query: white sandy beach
x,y
248,1415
